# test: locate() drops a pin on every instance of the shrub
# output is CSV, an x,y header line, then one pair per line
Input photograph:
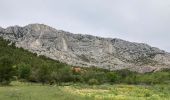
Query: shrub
x,y
93,82
78,78
112,77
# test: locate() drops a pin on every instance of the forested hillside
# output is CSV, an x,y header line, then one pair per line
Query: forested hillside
x,y
19,64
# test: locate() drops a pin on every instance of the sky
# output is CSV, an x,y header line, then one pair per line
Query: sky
x,y
145,21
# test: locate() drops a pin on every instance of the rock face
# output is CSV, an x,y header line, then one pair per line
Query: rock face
x,y
87,50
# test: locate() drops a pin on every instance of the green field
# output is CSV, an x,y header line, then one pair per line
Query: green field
x,y
31,91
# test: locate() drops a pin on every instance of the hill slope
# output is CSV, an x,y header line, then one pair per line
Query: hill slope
x,y
28,66
87,50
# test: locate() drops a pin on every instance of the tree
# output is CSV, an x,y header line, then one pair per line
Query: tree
x,y
6,70
24,71
44,73
112,77
65,74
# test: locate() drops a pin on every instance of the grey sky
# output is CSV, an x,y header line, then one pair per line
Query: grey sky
x,y
145,21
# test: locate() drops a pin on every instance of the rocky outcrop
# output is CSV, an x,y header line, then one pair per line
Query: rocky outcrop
x,y
87,50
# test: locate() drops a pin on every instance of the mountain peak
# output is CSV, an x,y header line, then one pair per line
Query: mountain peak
x,y
38,26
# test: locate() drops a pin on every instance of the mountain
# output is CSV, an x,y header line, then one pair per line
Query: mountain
x,y
87,50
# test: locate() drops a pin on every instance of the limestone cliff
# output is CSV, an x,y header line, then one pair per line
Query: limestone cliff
x,y
87,50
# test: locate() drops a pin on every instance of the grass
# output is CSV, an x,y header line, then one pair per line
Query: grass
x,y
30,91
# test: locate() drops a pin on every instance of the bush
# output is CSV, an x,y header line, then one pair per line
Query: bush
x,y
93,82
78,78
112,77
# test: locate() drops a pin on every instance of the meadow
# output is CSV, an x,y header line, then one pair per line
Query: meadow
x,y
35,91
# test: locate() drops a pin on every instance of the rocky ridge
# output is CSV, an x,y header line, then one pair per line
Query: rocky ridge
x,y
87,50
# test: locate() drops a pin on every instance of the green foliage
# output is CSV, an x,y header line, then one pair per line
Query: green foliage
x,y
6,70
34,68
44,74
112,77
24,71
93,82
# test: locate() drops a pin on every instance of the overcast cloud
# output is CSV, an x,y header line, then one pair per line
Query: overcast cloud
x,y
145,21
